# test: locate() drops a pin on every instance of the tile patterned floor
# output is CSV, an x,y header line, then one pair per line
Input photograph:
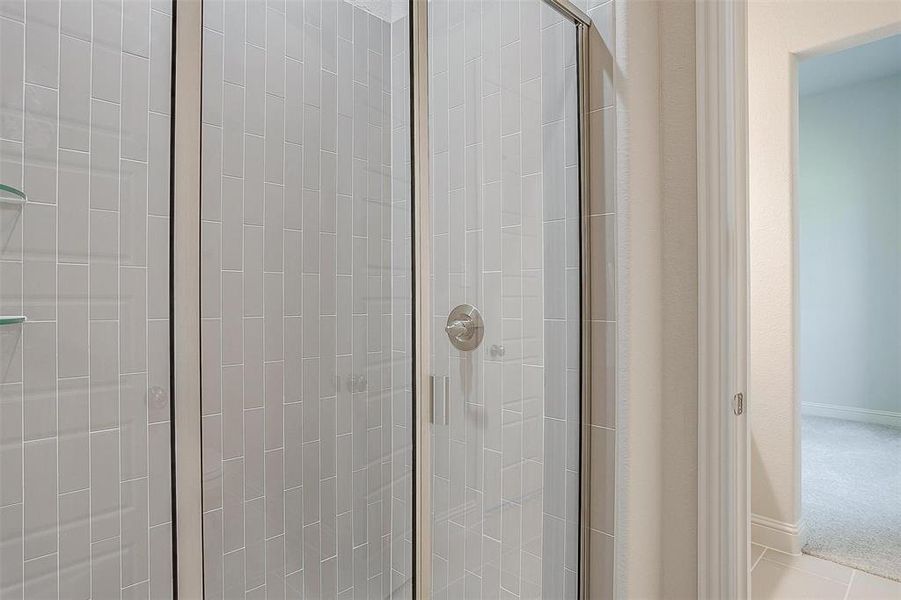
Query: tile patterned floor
x,y
779,576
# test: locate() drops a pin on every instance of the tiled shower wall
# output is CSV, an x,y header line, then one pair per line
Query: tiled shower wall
x,y
299,372
505,198
84,402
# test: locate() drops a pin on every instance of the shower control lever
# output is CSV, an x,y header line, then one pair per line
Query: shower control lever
x,y
440,397
465,327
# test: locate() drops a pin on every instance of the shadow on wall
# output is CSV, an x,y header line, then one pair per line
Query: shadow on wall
x,y
763,486
603,218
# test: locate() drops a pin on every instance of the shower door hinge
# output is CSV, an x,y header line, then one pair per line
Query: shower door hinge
x,y
738,403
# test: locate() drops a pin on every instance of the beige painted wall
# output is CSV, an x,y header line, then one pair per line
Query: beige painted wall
x,y
777,33
678,146
639,297
657,300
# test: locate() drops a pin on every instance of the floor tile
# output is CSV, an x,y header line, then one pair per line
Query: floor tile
x,y
773,581
756,552
869,587
811,564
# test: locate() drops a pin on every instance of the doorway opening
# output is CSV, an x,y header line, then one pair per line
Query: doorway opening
x,y
849,266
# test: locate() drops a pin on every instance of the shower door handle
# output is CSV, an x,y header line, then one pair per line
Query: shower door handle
x,y
440,399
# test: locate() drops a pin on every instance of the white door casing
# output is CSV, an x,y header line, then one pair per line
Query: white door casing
x,y
723,440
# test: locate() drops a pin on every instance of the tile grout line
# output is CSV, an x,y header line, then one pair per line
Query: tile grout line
x,y
850,583
806,571
758,559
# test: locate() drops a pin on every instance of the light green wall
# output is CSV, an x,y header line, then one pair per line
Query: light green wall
x,y
849,246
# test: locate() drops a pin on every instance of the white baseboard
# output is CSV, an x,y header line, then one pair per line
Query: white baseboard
x,y
848,413
785,537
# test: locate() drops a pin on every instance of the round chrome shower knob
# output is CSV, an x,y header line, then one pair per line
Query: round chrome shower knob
x,y
465,327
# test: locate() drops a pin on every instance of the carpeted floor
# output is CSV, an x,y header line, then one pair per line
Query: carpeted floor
x,y
851,493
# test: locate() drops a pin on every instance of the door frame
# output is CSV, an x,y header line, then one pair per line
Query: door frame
x,y
723,428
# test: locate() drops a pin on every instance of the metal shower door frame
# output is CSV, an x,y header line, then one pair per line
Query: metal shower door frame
x,y
187,564
185,273
422,333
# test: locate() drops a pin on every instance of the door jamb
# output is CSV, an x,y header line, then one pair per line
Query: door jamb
x,y
723,440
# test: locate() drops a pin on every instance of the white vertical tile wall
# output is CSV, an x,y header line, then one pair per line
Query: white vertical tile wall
x,y
306,312
505,198
84,385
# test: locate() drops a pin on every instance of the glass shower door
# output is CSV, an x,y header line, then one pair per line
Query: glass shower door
x,y
85,469
306,300
505,289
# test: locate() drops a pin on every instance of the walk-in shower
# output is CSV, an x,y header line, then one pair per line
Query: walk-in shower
x,y
299,315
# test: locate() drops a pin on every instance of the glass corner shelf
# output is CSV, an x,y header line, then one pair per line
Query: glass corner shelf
x,y
10,195
12,320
